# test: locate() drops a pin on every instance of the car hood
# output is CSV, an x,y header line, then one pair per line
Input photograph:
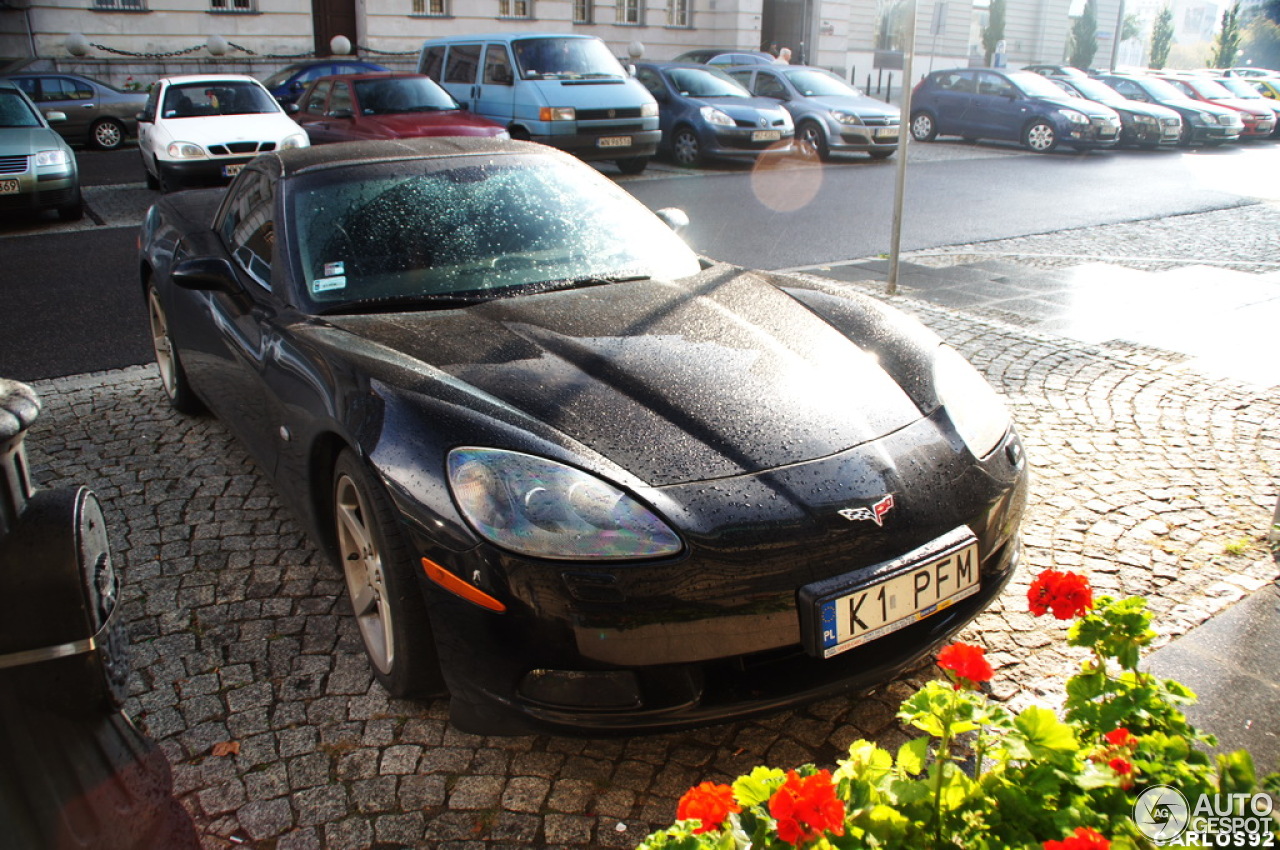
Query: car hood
x,y
452,122
744,108
1137,107
864,107
1088,107
223,129
23,141
716,375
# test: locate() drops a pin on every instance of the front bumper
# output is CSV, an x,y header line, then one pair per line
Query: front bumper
x,y
41,192
1214,133
716,633
1147,135
606,144
1096,134
743,142
201,171
865,139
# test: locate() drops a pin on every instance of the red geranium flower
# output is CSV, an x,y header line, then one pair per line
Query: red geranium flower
x,y
1067,595
967,662
1083,838
1120,737
807,806
709,803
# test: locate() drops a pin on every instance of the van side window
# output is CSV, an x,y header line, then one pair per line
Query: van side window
x,y
464,60
497,65
432,62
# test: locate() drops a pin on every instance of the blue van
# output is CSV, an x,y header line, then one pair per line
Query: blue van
x,y
567,91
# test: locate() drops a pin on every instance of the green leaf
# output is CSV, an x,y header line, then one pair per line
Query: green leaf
x,y
758,786
912,756
1043,734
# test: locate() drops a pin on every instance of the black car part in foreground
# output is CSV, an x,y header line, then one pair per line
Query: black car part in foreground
x,y
571,473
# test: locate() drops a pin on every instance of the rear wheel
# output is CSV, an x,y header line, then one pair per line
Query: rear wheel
x,y
1040,137
172,378
379,570
923,127
107,134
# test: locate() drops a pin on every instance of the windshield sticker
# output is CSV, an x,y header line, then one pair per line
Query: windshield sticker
x,y
324,284
335,269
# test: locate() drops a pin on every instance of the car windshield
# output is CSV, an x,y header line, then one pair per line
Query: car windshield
x,y
1096,91
374,238
565,58
1034,85
402,94
1208,89
1241,88
813,83
705,82
220,97
282,76
15,112
1162,91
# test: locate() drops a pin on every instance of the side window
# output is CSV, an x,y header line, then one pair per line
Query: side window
x,y
767,85
651,81
62,88
149,111
432,62
990,84
464,60
497,65
315,100
31,86
742,76
341,99
248,228
315,72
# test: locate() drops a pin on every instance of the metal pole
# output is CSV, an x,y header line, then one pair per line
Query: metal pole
x,y
904,130
1115,40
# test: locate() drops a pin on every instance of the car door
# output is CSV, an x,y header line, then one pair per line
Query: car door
x,y
495,94
668,105
998,109
952,95
461,68
76,98
313,108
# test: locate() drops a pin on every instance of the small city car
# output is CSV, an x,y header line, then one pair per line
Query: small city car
x,y
830,115
356,107
37,167
1202,123
706,114
1249,90
98,114
1142,125
1016,106
1257,116
204,128
288,84
572,473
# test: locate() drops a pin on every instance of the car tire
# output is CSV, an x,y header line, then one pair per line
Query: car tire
x,y
73,211
880,154
686,150
923,127
153,182
172,377
1040,136
163,183
107,134
376,563
809,136
1184,135
632,165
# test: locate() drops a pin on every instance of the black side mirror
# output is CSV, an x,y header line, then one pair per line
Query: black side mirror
x,y
204,274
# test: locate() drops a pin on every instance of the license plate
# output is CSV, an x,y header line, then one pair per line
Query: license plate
x,y
232,170
886,132
916,586
9,187
613,142
766,135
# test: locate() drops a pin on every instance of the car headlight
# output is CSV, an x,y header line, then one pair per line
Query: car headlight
x,y
538,507
557,113
1073,116
185,150
977,411
649,110
297,140
714,116
57,160
845,117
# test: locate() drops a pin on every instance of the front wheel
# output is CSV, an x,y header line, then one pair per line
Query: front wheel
x,y
632,165
172,377
923,127
811,138
1040,137
685,148
880,154
107,134
379,570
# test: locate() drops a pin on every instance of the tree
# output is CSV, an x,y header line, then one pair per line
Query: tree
x,y
1161,38
1226,45
1131,28
993,32
1084,36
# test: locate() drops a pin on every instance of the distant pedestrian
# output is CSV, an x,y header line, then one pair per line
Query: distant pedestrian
x,y
784,56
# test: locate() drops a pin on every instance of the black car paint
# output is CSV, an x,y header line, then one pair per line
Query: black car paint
x,y
403,389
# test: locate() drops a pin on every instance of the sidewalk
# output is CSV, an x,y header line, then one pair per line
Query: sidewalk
x,y
1154,471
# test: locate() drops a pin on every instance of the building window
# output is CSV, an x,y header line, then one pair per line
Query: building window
x,y
678,13
232,6
431,8
515,8
583,11
630,12
118,5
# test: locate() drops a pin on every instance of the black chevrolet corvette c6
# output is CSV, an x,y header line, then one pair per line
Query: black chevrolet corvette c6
x,y
573,475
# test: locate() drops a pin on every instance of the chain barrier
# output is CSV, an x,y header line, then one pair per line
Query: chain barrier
x,y
189,50
170,54
387,52
242,49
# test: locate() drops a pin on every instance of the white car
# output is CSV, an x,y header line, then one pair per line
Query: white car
x,y
204,128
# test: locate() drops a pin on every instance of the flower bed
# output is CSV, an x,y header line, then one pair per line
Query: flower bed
x,y
1109,773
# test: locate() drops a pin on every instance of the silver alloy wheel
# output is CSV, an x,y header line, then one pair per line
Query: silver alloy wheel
x,y
685,148
108,135
162,344
922,128
812,140
362,565
1040,137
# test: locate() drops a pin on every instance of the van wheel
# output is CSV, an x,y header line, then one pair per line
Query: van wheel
x,y
520,134
632,165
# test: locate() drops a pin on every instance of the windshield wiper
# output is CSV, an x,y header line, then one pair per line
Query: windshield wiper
x,y
405,303
584,281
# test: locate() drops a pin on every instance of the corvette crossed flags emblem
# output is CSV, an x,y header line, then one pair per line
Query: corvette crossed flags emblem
x,y
875,512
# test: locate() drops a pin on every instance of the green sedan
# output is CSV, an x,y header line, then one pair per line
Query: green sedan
x,y
37,168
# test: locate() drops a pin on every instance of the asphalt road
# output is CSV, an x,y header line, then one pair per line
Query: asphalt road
x,y
72,303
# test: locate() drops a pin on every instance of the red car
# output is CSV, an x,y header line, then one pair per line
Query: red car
x,y
1259,120
359,107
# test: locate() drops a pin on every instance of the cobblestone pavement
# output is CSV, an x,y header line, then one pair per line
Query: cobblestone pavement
x,y
1151,477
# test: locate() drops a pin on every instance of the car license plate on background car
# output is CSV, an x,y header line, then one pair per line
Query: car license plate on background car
x,y
614,142
913,587
9,187
231,170
766,135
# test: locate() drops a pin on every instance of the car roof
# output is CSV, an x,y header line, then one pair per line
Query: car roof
x,y
503,36
376,75
207,78
297,161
